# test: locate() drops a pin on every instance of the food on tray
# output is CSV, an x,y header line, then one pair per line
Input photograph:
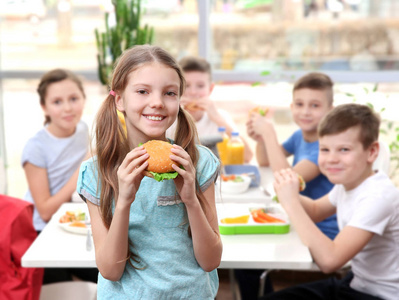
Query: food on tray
x,y
159,163
259,216
260,110
236,220
71,216
262,219
78,224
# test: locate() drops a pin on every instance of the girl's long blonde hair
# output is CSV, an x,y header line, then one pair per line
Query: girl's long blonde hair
x,y
112,144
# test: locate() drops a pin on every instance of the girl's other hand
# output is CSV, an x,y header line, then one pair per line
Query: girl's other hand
x,y
286,185
130,174
185,182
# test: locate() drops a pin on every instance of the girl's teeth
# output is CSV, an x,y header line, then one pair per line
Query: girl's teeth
x,y
154,118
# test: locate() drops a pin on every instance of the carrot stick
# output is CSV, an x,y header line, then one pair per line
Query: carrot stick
x,y
259,214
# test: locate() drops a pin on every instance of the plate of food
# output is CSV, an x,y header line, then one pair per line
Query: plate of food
x,y
75,221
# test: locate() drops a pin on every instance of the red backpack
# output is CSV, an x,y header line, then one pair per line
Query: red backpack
x,y
16,235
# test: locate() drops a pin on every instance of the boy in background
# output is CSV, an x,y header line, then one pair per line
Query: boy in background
x,y
196,100
312,100
367,206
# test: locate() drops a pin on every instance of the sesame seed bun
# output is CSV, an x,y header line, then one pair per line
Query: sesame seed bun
x,y
159,161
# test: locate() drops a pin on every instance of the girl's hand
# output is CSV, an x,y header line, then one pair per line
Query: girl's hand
x,y
185,182
130,174
286,185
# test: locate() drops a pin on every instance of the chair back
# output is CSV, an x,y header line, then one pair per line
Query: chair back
x,y
16,235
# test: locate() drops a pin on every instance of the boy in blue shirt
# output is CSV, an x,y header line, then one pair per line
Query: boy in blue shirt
x,y
312,100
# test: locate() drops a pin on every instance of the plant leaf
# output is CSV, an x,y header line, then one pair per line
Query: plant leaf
x,y
265,73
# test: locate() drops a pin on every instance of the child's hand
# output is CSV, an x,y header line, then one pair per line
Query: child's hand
x,y
251,133
204,104
130,174
286,185
185,182
258,124
189,104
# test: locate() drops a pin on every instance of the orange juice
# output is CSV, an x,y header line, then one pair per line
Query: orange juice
x,y
222,146
235,150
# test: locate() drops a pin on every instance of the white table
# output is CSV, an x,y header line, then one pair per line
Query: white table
x,y
57,248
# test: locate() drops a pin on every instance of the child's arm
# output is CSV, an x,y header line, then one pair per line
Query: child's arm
x,y
329,255
204,228
111,244
269,151
205,232
39,188
220,120
307,169
317,210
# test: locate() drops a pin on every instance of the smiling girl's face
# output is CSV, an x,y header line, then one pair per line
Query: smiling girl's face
x,y
63,103
150,102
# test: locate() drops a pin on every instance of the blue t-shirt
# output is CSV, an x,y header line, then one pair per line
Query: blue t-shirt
x,y
317,187
61,157
158,225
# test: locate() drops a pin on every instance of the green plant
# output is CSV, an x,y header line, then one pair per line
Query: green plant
x,y
389,128
126,33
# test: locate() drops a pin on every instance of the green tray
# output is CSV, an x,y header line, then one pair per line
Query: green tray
x,y
229,229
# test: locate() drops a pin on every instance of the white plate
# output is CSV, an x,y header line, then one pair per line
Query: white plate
x,y
73,229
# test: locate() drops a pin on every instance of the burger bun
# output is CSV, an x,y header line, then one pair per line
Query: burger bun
x,y
159,160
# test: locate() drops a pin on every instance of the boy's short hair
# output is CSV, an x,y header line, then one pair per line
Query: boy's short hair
x,y
350,115
195,64
316,81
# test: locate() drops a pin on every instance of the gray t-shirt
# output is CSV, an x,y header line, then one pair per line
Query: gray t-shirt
x,y
59,156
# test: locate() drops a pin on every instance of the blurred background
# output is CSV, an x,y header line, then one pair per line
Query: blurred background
x,y
257,49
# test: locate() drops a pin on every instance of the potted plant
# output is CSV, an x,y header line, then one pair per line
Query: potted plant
x,y
126,33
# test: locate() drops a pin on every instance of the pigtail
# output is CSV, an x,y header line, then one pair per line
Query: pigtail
x,y
111,147
186,134
187,137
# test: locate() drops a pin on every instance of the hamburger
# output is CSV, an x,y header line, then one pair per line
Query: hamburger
x,y
159,163
193,106
302,186
260,110
302,183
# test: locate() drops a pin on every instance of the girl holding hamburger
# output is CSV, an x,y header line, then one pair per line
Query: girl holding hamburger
x,y
153,239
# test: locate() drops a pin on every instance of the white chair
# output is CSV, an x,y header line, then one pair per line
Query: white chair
x,y
382,163
69,290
